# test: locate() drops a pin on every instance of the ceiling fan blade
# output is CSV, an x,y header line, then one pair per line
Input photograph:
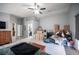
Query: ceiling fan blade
x,y
31,8
35,4
40,12
42,8
38,6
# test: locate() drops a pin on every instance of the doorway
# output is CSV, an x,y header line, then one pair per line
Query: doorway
x,y
77,27
30,30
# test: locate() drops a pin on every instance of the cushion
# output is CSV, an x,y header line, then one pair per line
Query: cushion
x,y
72,42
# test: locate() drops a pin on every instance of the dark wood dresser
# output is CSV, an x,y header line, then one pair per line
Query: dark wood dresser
x,y
5,37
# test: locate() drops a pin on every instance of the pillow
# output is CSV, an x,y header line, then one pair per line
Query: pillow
x,y
49,40
49,34
46,40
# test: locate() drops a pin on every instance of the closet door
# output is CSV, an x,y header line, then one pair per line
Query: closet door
x,y
77,26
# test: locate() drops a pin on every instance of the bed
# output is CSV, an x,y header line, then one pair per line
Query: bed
x,y
50,48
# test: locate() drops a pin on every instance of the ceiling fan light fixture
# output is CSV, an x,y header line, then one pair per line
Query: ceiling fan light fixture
x,y
36,11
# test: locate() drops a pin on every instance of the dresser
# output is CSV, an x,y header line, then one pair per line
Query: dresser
x,y
5,37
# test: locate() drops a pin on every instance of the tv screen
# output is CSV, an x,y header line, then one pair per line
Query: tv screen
x,y
2,25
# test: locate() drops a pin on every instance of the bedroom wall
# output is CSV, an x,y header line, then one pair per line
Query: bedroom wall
x,y
49,21
74,10
9,19
28,20
5,17
17,21
61,18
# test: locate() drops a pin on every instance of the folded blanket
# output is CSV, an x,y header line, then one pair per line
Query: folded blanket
x,y
24,49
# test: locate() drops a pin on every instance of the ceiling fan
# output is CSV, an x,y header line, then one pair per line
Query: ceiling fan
x,y
37,9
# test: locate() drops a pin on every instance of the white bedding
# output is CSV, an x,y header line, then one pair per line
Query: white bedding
x,y
54,49
51,48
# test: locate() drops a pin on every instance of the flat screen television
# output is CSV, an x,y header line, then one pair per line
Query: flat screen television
x,y
2,25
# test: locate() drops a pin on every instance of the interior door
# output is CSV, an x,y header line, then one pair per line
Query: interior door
x,y
30,30
19,30
77,26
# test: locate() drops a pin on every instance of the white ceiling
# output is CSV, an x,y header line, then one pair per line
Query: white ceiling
x,y
21,9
